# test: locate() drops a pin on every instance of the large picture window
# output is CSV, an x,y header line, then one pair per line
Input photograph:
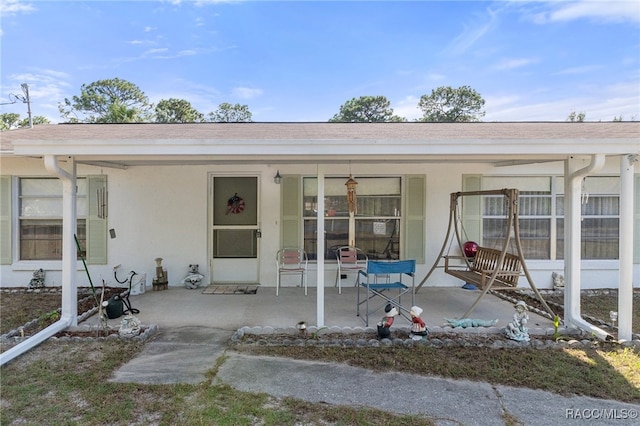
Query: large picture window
x,y
40,218
541,212
377,221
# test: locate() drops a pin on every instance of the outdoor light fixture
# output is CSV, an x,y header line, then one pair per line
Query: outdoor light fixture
x,y
277,178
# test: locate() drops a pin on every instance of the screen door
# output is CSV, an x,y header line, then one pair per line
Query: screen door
x,y
234,231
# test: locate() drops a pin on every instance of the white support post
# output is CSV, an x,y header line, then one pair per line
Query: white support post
x,y
625,282
572,232
320,250
69,229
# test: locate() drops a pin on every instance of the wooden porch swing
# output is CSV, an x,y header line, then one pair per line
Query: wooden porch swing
x,y
489,266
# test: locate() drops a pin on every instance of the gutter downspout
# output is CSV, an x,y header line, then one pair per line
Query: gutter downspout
x,y
69,315
572,240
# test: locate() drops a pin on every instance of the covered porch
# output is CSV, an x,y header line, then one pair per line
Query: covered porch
x,y
133,153
182,307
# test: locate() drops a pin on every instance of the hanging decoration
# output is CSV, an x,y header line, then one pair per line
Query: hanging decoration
x,y
235,204
351,194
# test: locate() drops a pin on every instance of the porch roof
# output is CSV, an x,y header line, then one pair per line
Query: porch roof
x,y
204,143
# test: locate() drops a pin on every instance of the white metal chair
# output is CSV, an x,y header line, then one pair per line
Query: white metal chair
x,y
292,261
350,259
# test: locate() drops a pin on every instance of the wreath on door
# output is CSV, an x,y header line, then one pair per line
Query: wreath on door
x,y
235,204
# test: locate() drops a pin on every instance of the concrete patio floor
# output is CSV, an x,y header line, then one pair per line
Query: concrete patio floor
x,y
180,307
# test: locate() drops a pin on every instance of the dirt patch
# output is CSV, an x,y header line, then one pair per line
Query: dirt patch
x,y
31,310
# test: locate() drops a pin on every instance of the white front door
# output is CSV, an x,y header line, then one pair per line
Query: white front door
x,y
234,232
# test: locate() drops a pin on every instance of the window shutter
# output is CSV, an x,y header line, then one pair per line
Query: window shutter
x,y
415,218
472,209
290,211
96,227
5,220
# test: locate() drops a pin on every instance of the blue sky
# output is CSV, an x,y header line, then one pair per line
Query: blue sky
x,y
301,60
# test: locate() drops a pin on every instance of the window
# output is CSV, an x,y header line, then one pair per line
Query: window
x,y
600,218
541,212
377,221
40,218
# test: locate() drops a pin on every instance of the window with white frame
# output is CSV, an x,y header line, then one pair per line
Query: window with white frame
x,y
600,218
377,221
541,212
40,218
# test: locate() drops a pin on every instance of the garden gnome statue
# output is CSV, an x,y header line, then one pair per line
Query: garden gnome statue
x,y
517,329
386,321
418,328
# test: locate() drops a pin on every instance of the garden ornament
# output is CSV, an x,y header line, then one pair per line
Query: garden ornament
x,y
38,279
418,328
193,278
517,329
129,326
386,321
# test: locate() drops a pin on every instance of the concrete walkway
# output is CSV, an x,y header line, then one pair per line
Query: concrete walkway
x,y
185,354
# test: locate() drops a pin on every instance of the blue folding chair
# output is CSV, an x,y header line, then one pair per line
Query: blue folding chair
x,y
390,291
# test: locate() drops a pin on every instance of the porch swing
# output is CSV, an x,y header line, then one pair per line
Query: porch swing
x,y
489,268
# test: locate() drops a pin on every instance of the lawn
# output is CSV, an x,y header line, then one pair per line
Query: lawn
x,y
67,383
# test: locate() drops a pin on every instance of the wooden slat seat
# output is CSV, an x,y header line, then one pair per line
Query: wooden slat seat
x,y
484,265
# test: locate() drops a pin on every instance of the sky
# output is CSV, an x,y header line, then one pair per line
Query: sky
x,y
299,61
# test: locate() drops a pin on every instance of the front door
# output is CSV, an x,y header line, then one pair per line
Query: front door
x,y
234,231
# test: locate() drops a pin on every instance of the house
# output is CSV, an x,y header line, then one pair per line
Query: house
x,y
205,194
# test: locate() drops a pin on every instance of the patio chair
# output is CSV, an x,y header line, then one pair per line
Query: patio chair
x,y
350,260
292,261
390,292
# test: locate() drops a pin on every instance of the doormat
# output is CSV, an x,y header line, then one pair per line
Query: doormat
x,y
230,289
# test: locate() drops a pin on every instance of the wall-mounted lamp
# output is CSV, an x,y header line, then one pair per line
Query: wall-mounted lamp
x,y
277,178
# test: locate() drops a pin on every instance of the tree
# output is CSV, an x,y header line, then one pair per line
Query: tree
x,y
9,120
446,104
35,120
576,117
177,111
227,113
12,120
366,109
107,101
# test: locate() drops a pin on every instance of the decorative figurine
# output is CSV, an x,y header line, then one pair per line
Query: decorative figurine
x,y
38,279
468,322
386,321
517,329
129,326
418,328
193,279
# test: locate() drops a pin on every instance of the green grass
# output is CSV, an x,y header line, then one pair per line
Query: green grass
x,y
67,384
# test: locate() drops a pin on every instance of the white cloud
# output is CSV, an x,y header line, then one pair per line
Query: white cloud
x,y
47,87
508,64
246,92
579,70
407,108
599,104
14,7
473,34
595,10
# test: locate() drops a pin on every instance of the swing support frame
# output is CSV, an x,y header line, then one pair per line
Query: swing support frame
x,y
512,196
